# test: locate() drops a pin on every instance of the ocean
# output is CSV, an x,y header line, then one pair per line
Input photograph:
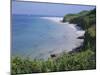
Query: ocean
x,y
37,37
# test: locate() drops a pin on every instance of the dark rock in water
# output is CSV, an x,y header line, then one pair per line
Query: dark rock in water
x,y
81,37
78,27
53,55
77,49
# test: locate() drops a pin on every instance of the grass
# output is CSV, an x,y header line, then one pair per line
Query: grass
x,y
66,62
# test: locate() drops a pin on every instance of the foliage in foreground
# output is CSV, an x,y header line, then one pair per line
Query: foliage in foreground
x,y
66,62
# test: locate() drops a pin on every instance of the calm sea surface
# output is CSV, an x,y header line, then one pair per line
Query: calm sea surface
x,y
36,37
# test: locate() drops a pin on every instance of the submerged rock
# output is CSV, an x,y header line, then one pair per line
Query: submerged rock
x,y
53,55
81,37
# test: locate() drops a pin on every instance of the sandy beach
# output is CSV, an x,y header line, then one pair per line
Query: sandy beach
x,y
73,26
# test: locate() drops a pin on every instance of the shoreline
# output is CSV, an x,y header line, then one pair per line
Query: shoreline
x,y
79,31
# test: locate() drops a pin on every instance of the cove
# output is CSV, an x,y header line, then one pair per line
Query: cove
x,y
39,37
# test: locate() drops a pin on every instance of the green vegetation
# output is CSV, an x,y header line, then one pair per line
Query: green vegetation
x,y
84,19
69,17
81,60
87,21
66,62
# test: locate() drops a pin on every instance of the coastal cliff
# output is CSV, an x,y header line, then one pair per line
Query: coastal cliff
x,y
87,21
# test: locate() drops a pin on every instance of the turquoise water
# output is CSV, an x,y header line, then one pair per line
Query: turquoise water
x,y
36,37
